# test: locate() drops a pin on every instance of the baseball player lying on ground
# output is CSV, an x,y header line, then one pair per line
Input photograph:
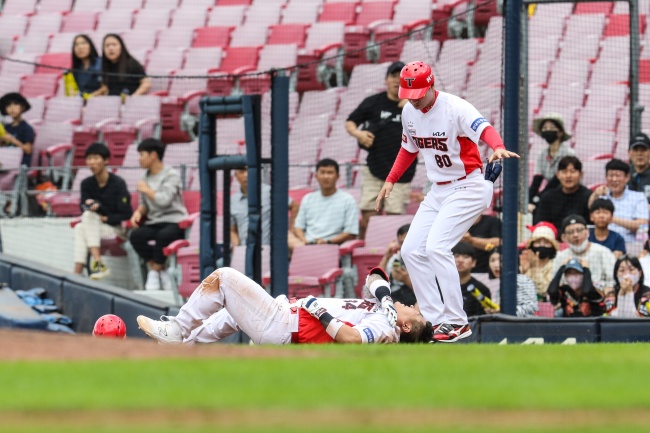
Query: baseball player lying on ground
x,y
227,301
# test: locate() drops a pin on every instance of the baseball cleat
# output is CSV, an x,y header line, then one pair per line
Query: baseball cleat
x,y
164,331
448,333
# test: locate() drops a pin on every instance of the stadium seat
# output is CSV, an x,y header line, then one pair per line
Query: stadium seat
x,y
339,12
90,6
226,16
163,62
177,154
593,142
594,8
189,17
238,259
389,41
233,2
211,37
237,60
160,4
298,11
427,51
66,203
264,14
11,158
175,38
64,110
99,112
579,26
59,61
9,83
140,40
52,150
288,34
18,7
34,43
271,57
13,25
180,103
323,40
375,11
203,58
140,120
114,20
62,42
152,19
483,12
585,47
126,4
45,23
356,40
44,85
619,25
54,6
248,35
78,22
197,4
35,115
409,11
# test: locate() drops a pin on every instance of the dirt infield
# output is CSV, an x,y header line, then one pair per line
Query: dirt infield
x,y
18,345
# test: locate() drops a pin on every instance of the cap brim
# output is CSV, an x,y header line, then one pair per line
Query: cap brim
x,y
412,93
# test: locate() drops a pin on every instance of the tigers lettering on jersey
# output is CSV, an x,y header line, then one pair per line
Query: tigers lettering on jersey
x,y
358,304
435,143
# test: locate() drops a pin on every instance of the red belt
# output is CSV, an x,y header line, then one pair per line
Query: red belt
x,y
450,181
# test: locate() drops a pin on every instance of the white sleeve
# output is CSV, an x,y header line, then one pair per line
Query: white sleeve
x,y
407,140
470,122
375,329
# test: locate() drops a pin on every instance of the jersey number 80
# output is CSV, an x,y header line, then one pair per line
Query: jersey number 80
x,y
443,161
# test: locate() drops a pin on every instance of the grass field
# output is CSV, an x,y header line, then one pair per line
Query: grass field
x,y
463,388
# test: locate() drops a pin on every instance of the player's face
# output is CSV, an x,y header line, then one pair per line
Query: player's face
x,y
112,49
327,177
616,181
407,314
569,177
81,48
640,156
424,101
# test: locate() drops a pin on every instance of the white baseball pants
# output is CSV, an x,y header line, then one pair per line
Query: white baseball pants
x,y
445,215
264,319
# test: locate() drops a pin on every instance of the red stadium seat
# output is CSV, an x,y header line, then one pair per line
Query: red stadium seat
x,y
236,61
619,25
342,12
484,12
288,34
356,40
375,11
212,37
271,57
181,101
594,8
299,11
59,61
99,112
233,2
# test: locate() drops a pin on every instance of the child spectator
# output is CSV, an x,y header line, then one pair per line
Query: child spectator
x,y
86,66
537,258
601,213
105,203
401,286
630,297
122,74
573,293
471,288
161,203
526,296
18,133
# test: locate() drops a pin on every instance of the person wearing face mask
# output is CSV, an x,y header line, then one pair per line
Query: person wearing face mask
x,y
573,293
631,211
630,297
571,197
551,129
601,260
536,260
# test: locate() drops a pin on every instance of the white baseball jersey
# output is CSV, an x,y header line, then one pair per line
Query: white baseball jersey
x,y
447,135
364,316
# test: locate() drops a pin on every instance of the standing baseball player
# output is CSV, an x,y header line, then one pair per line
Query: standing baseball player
x,y
227,301
447,130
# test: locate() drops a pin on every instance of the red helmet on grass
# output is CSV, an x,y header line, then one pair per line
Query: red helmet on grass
x,y
414,80
110,325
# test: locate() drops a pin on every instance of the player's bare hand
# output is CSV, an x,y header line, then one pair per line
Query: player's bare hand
x,y
384,193
502,153
366,138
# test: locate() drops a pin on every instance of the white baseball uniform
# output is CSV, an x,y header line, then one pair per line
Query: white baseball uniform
x,y
447,135
235,302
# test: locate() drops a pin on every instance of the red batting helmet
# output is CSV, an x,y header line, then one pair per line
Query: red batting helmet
x,y
110,325
414,80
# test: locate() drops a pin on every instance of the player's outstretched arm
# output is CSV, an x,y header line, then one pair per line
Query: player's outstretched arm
x,y
339,331
502,153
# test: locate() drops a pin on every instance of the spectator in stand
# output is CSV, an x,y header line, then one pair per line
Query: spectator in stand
x,y
86,67
401,286
573,292
17,133
631,207
473,290
630,296
526,297
122,74
327,216
484,235
639,153
571,197
106,204
551,129
601,260
380,119
239,211
161,209
602,212
536,259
